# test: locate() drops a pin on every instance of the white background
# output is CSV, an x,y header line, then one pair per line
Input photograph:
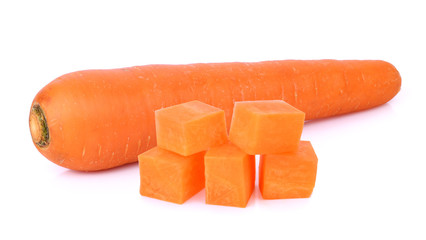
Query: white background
x,y
371,173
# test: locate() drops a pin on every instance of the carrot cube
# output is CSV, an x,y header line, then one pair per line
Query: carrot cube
x,y
190,127
230,176
288,175
266,127
170,177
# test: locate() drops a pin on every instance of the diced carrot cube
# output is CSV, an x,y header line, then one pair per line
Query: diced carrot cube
x,y
189,128
266,127
288,175
230,176
170,177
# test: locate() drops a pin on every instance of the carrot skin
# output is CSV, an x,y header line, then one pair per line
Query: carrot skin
x,y
100,119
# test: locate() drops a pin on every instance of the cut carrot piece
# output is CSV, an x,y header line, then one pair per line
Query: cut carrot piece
x,y
170,177
266,127
230,176
288,175
190,127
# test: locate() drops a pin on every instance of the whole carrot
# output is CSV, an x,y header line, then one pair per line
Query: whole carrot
x,y
98,119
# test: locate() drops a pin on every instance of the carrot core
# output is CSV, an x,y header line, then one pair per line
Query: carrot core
x,y
38,127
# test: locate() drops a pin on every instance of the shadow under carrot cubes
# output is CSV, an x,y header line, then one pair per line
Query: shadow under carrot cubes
x,y
170,177
266,127
230,176
190,127
288,175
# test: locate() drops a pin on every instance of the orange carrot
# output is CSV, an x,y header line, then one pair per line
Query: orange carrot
x,y
288,175
230,176
265,127
99,119
190,127
169,176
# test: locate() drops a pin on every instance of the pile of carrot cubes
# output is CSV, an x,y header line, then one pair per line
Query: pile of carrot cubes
x,y
194,152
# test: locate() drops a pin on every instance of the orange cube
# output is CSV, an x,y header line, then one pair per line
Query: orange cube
x,y
266,127
170,177
230,176
189,128
288,175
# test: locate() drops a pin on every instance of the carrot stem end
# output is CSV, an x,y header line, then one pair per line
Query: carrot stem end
x,y
38,127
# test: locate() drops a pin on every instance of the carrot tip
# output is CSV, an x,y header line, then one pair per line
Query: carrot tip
x,y
38,127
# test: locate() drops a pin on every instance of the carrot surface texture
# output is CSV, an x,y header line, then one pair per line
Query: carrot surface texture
x,y
98,119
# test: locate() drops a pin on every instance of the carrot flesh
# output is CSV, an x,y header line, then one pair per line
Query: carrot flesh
x,y
99,119
288,175
266,127
170,177
190,127
230,176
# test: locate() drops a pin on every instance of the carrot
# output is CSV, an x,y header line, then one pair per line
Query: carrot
x,y
288,175
266,127
169,176
190,127
99,119
229,175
